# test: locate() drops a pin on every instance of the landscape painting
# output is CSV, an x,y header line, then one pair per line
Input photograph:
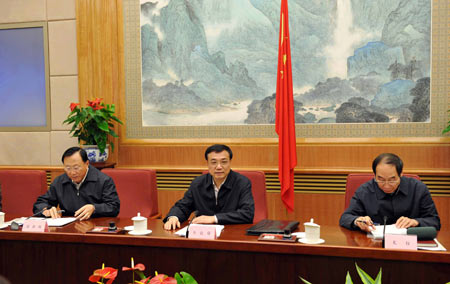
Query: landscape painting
x,y
214,62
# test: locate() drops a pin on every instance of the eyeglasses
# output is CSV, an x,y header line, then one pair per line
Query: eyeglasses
x,y
217,163
390,182
74,168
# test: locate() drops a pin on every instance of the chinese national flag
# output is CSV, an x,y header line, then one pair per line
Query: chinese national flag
x,y
285,118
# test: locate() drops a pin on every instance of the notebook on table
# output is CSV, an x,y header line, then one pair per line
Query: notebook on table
x,y
272,227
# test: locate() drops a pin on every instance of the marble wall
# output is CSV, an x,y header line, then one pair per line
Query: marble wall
x,y
46,148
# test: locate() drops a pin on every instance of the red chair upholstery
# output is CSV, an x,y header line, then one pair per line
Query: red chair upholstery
x,y
258,179
20,190
137,191
354,181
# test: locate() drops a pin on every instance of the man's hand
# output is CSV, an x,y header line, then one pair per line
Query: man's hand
x,y
365,223
405,222
52,212
172,223
85,212
204,220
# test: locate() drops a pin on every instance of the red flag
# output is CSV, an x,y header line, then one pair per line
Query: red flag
x,y
284,117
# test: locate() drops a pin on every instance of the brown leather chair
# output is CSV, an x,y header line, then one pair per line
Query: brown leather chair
x,y
20,190
354,181
137,190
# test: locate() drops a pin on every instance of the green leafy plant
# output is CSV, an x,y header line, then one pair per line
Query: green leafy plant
x,y
365,278
109,274
447,129
93,124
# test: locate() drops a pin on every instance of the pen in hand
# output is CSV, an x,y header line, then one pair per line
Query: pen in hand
x,y
364,222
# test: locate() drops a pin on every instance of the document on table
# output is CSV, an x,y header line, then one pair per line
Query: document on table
x,y
182,232
390,229
58,222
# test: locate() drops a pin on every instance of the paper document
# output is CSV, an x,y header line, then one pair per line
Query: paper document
x,y
390,229
182,232
58,222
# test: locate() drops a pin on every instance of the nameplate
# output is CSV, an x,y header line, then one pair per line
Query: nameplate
x,y
35,225
202,232
408,242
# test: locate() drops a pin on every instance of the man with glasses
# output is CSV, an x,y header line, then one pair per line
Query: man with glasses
x,y
405,201
221,196
82,191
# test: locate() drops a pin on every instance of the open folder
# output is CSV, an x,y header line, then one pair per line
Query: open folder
x,y
272,227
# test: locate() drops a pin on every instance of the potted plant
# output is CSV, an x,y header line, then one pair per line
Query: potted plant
x,y
109,274
92,125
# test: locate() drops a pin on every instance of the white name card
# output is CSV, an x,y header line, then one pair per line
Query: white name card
x,y
35,225
408,242
202,232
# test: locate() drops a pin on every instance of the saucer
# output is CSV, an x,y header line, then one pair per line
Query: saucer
x,y
134,233
129,228
305,241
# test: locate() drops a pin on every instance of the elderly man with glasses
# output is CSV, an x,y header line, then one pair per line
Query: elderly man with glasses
x,y
405,201
82,191
221,196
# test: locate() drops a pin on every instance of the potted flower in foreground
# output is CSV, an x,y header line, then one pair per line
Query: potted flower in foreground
x,y
92,125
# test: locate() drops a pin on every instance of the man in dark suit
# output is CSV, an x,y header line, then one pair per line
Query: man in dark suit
x,y
405,201
221,196
82,191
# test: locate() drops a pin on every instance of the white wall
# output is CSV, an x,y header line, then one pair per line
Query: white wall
x,y
46,148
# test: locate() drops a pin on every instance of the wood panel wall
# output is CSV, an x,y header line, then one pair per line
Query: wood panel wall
x,y
99,45
326,209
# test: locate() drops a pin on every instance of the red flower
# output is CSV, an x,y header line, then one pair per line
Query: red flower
x,y
73,106
138,266
104,273
95,104
162,278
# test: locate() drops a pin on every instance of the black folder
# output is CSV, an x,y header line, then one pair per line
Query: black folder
x,y
272,227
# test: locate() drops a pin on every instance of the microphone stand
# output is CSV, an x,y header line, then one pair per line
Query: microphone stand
x,y
384,228
190,222
15,226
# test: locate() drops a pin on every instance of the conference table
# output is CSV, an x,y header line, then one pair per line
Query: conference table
x,y
69,255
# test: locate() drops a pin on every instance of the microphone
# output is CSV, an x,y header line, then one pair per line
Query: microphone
x,y
190,222
423,233
384,228
37,213
15,226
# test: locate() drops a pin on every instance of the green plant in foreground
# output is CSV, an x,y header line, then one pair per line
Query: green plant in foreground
x,y
365,278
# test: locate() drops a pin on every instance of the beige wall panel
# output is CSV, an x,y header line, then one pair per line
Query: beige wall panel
x,y
60,9
13,11
63,47
64,91
24,148
60,141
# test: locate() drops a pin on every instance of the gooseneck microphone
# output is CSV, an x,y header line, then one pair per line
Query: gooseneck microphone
x,y
15,226
190,222
384,228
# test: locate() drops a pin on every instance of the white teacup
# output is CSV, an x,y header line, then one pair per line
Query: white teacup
x,y
2,218
139,223
312,231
